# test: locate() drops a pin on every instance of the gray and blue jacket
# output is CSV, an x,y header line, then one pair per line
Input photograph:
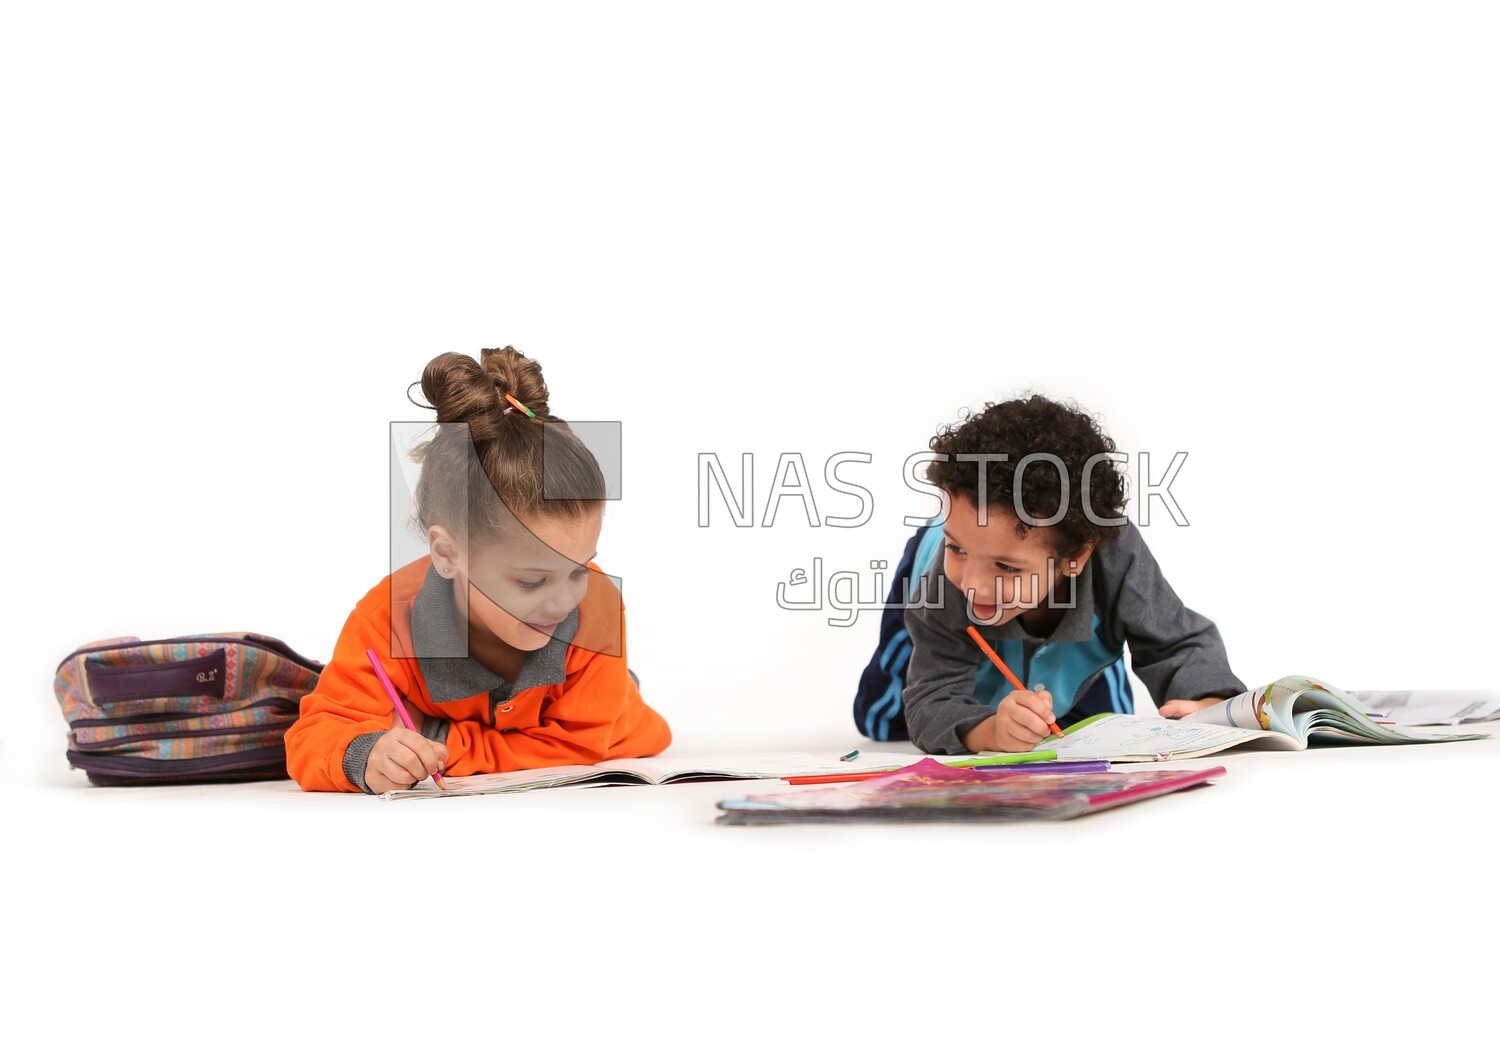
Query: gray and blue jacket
x,y
928,680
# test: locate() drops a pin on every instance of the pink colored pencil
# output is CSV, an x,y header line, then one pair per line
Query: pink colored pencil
x,y
390,690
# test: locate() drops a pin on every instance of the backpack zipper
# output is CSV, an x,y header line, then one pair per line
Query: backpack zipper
x,y
264,642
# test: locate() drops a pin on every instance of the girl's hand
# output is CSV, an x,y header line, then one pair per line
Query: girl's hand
x,y
1021,720
401,758
1177,709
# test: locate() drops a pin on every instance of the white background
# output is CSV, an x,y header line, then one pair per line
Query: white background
x,y
232,237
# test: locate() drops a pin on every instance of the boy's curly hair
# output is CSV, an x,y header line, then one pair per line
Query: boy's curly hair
x,y
1018,428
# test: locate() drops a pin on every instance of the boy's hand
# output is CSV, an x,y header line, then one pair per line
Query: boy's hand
x,y
1021,720
1177,709
1017,725
401,758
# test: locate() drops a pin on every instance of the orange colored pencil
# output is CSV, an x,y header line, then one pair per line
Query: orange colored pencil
x,y
1005,670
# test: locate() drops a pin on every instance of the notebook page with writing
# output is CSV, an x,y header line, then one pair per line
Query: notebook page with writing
x,y
1148,737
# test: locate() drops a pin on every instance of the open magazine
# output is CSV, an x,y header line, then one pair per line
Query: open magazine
x,y
1288,714
930,791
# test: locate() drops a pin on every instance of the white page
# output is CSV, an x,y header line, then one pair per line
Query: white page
x,y
762,764
1239,711
1432,707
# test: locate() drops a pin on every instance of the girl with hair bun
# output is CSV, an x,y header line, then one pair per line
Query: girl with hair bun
x,y
506,642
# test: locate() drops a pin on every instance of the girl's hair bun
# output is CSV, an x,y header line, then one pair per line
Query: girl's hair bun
x,y
463,390
515,374
500,463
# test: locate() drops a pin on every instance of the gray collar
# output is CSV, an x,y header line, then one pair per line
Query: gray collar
x,y
443,655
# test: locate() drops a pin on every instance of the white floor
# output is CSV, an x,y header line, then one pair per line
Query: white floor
x,y
1353,880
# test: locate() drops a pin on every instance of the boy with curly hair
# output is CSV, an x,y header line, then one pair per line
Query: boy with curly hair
x,y
1036,553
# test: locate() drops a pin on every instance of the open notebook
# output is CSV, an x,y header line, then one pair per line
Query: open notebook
x,y
658,770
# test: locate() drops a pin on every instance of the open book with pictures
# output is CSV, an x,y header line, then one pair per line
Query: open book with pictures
x,y
1289,714
657,770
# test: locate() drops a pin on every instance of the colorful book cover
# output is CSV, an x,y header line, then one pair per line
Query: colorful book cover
x,y
930,791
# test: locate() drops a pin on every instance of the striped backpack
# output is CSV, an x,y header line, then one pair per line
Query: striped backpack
x,y
185,710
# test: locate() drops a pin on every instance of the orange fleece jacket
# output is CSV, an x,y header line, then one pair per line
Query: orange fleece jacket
x,y
594,713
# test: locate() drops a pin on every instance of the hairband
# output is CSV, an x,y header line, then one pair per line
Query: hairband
x,y
518,405
414,401
514,404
